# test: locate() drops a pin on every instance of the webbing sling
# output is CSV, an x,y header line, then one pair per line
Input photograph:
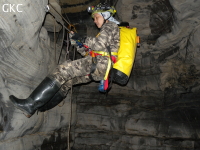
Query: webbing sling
x,y
106,53
94,65
110,77
94,62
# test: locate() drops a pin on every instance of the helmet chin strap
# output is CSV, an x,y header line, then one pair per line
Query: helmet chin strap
x,y
104,19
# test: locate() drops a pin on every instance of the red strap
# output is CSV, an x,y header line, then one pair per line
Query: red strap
x,y
95,54
106,84
114,60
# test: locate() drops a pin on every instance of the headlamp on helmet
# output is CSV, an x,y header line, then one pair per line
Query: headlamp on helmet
x,y
90,9
101,8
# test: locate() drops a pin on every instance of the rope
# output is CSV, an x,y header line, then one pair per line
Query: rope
x,y
62,18
55,37
67,49
60,22
59,14
68,22
70,109
115,3
68,141
64,13
61,45
70,118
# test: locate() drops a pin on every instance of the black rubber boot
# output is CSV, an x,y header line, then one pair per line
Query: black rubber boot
x,y
57,98
40,96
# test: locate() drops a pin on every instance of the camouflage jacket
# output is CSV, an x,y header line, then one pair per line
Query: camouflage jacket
x,y
107,37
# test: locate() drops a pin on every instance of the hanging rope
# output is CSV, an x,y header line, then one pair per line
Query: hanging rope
x,y
55,37
61,45
64,13
71,27
58,13
69,129
115,3
59,20
67,50
47,9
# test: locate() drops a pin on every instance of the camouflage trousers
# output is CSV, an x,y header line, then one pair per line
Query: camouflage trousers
x,y
77,71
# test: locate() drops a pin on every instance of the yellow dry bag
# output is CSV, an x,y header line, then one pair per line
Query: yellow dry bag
x,y
126,55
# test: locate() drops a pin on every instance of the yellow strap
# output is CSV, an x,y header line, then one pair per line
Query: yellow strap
x,y
109,61
97,34
108,69
105,53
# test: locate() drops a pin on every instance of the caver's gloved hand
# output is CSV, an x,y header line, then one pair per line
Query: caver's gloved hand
x,y
72,41
76,39
76,36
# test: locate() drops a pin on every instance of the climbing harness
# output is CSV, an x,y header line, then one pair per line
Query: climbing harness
x,y
120,63
103,87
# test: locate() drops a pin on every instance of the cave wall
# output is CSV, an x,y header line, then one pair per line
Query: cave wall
x,y
168,56
27,55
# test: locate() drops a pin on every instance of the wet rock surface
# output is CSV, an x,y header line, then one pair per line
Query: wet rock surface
x,y
27,55
127,120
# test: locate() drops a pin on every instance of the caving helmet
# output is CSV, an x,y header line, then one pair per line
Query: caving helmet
x,y
101,8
